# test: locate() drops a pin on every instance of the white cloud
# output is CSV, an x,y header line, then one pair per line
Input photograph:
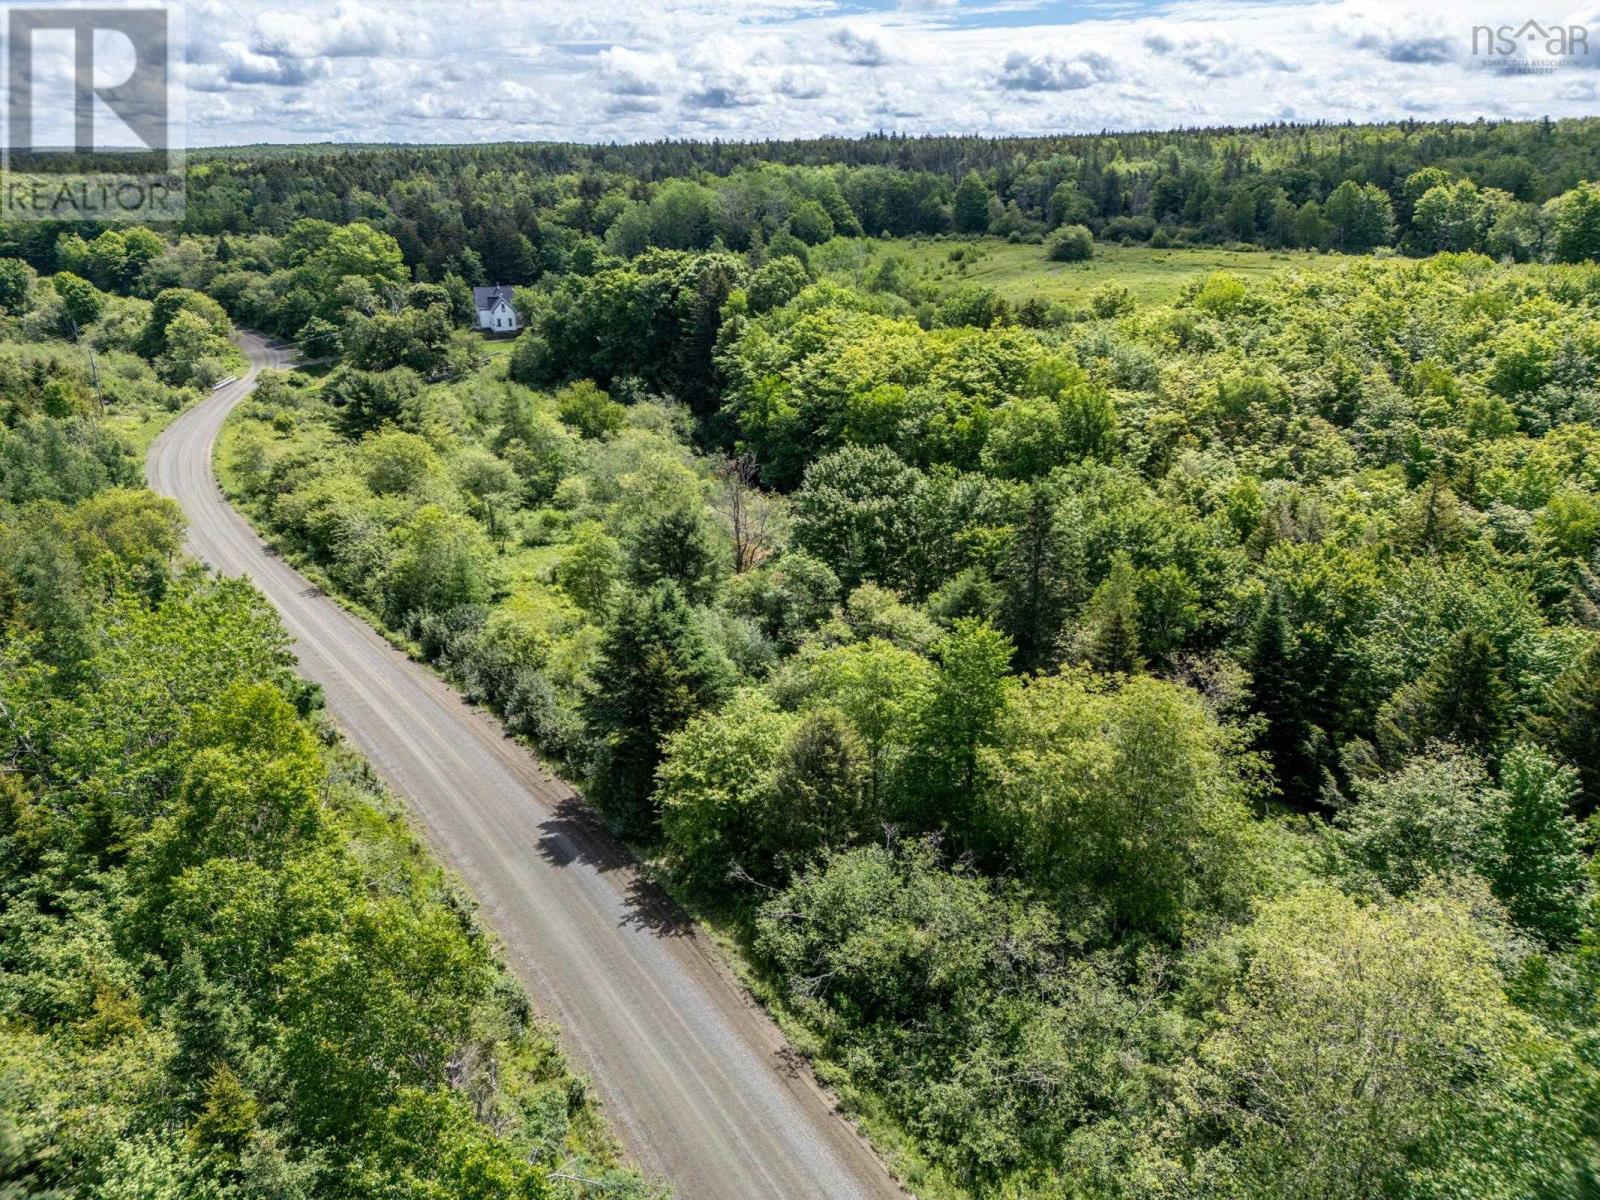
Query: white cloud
x,y
1412,47
624,106
1216,57
861,46
634,73
1219,59
1050,72
346,32
724,89
630,69
244,65
803,83
720,95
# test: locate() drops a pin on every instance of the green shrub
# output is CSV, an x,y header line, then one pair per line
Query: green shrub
x,y
1070,243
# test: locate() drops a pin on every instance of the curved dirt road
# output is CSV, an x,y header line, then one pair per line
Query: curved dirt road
x,y
696,1081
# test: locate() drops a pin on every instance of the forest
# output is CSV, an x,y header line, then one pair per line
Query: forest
x,y
1134,747
522,212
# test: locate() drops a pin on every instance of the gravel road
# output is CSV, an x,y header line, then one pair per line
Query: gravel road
x,y
696,1080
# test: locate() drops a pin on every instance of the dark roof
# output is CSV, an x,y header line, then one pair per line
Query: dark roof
x,y
485,297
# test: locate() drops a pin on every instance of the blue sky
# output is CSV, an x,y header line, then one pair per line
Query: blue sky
x,y
601,70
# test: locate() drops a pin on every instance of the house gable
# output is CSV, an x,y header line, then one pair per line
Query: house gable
x,y
493,305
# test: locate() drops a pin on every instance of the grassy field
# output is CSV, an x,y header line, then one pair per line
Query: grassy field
x,y
494,347
1021,272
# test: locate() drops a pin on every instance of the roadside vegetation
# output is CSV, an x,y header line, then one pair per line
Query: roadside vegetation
x,y
1142,737
227,967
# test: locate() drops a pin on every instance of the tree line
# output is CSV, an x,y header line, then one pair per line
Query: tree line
x,y
515,213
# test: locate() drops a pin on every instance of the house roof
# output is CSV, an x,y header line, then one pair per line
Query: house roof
x,y
488,297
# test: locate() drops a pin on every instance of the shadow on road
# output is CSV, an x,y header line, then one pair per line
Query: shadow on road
x,y
575,835
790,1063
650,909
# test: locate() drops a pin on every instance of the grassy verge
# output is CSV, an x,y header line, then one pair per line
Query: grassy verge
x,y
228,483
141,426
536,1063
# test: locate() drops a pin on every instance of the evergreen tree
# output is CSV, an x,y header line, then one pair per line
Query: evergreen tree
x,y
656,669
962,715
820,787
1462,698
1109,628
1571,725
972,204
1286,737
676,546
1034,583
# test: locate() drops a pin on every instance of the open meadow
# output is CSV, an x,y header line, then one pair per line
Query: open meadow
x,y
1020,271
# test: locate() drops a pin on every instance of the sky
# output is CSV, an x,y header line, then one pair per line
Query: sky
x,y
629,70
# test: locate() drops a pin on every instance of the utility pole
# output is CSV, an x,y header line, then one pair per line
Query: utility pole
x,y
94,378
94,367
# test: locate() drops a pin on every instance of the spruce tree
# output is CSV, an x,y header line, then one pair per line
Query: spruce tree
x,y
1286,735
962,715
675,546
1571,726
972,204
656,669
1462,699
1109,628
1036,580
819,790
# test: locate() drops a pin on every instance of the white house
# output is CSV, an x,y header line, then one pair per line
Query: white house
x,y
495,313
